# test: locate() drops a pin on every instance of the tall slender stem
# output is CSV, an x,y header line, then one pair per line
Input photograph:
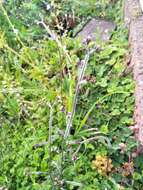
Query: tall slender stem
x,y
80,78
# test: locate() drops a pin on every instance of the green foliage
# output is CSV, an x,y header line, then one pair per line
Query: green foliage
x,y
37,88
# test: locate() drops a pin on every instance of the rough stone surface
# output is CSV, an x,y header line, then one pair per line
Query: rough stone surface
x,y
141,4
97,29
134,21
136,43
132,10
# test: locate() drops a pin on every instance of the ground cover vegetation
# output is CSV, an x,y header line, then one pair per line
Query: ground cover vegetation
x,y
65,108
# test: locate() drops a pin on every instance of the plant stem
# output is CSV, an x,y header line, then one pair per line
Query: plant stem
x,y
80,78
49,140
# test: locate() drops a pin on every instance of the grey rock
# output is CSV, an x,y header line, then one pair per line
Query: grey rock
x,y
97,29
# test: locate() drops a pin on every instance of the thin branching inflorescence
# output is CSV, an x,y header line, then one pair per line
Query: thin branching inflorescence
x,y
70,115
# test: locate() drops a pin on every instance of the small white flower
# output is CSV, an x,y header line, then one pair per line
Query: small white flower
x,y
48,7
83,82
16,31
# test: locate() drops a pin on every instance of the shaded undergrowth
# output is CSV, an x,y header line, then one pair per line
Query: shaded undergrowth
x,y
65,108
